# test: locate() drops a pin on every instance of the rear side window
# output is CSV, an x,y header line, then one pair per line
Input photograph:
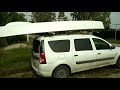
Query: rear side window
x,y
82,44
36,45
60,45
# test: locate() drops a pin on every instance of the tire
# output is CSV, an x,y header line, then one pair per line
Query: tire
x,y
118,62
61,72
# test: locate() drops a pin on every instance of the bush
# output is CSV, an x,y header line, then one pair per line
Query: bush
x,y
3,42
15,39
108,34
21,38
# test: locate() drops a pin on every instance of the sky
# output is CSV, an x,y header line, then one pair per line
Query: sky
x,y
115,18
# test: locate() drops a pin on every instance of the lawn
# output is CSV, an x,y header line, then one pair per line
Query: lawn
x,y
113,41
15,61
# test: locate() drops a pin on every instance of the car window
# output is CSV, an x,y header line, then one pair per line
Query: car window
x,y
42,46
36,45
60,45
100,44
82,44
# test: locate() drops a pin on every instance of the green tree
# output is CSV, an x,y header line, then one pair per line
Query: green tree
x,y
54,16
61,16
97,16
13,17
6,17
44,16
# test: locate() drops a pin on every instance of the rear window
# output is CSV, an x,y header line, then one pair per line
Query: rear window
x,y
60,45
36,45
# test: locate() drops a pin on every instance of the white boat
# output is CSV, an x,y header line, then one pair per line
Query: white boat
x,y
21,28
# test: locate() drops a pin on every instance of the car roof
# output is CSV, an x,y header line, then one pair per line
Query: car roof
x,y
65,36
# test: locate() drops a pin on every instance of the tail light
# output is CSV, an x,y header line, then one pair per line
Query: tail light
x,y
42,58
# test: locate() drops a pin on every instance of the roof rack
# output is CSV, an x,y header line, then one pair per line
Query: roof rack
x,y
69,32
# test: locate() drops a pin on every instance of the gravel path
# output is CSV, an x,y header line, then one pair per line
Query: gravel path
x,y
19,45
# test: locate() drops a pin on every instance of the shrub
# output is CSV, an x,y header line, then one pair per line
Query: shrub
x,y
3,42
15,39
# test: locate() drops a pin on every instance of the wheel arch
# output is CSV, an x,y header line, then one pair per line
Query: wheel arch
x,y
62,65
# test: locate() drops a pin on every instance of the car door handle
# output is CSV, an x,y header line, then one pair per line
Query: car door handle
x,y
99,53
75,55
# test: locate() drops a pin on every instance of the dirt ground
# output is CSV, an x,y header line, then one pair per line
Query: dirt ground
x,y
117,45
19,45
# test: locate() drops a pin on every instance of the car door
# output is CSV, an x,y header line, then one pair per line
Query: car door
x,y
84,55
105,55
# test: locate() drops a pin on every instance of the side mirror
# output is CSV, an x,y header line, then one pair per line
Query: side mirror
x,y
112,47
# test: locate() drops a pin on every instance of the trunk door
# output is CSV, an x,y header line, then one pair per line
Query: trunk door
x,y
35,53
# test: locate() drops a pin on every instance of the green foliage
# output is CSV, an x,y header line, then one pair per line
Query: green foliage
x,y
15,39
97,16
13,17
15,61
44,16
6,17
30,41
112,40
3,42
61,16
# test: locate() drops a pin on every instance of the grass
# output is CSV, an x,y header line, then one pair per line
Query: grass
x,y
113,41
15,61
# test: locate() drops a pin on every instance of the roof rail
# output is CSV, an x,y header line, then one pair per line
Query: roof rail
x,y
87,32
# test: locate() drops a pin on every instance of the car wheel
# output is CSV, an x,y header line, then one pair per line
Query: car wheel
x,y
118,62
61,72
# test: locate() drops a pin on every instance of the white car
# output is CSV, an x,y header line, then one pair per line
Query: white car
x,y
58,56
